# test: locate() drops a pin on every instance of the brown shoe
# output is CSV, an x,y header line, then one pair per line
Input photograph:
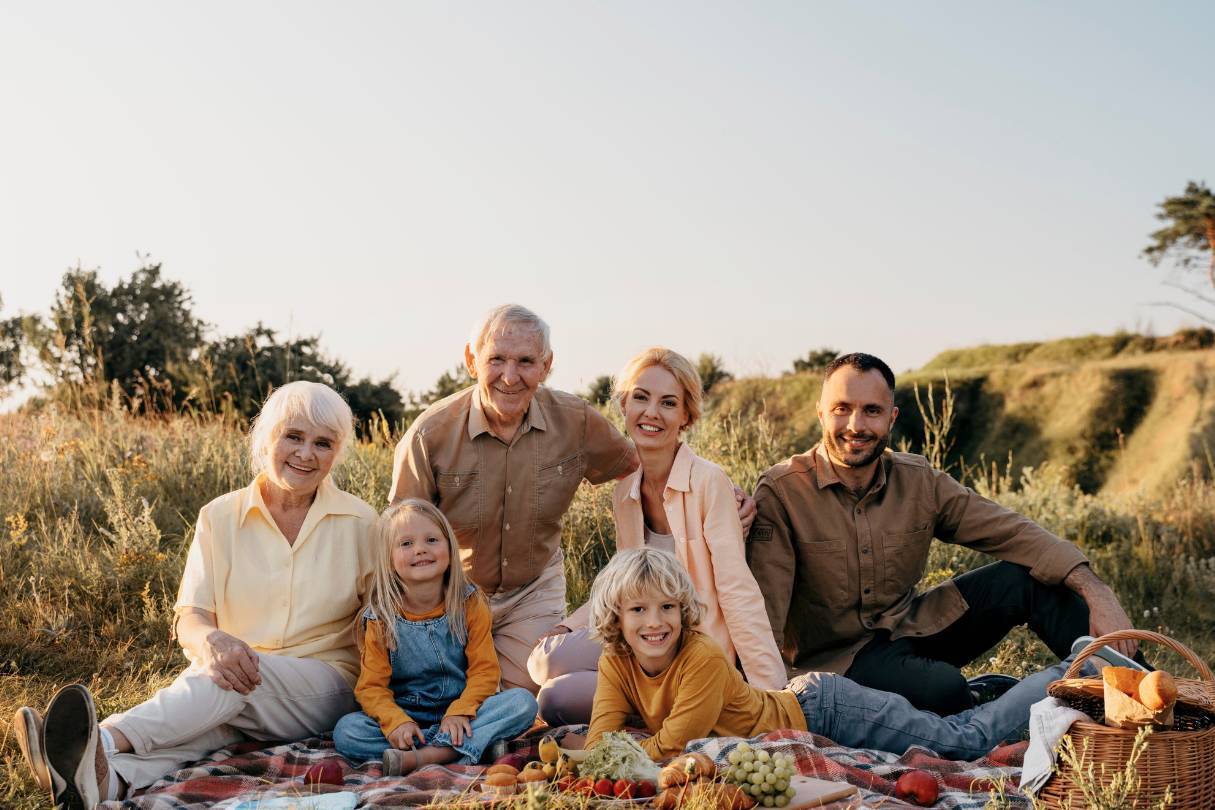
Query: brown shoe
x,y
399,763
76,762
27,724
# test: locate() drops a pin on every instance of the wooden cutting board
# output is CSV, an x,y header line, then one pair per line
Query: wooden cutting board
x,y
813,792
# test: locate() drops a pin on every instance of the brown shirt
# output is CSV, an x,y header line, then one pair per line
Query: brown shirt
x,y
834,568
506,501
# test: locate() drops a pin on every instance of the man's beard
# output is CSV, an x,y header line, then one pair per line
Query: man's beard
x,y
837,449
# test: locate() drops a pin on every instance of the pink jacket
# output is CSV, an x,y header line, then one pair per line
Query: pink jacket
x,y
700,507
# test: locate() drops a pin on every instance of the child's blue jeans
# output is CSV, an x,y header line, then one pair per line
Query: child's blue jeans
x,y
502,716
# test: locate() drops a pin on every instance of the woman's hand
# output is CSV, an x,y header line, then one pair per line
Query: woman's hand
x,y
457,727
402,736
746,509
230,663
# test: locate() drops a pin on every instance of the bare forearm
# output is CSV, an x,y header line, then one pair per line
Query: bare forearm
x,y
1084,582
193,628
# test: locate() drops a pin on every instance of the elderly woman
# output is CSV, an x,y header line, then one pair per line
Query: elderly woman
x,y
678,502
273,582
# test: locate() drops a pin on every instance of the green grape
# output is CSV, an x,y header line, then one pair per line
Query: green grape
x,y
768,801
790,792
770,778
748,756
734,756
756,778
743,746
781,800
748,765
762,755
753,789
781,784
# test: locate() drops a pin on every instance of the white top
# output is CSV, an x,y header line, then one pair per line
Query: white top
x,y
662,542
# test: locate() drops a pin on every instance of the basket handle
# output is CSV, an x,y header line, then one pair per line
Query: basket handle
x,y
1185,652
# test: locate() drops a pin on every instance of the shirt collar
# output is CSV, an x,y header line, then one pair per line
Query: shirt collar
x,y
328,501
825,475
478,424
680,477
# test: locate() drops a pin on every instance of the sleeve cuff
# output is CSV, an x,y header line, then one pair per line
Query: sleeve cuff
x,y
1058,561
393,720
466,708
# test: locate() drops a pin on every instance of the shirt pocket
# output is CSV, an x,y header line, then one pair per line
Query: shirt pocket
x,y
825,564
460,499
904,556
556,484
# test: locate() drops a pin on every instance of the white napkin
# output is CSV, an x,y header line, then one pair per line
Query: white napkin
x,y
323,801
1049,720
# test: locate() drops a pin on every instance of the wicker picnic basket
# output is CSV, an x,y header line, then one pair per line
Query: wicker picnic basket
x,y
1182,758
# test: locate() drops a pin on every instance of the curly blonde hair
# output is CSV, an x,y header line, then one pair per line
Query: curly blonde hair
x,y
634,574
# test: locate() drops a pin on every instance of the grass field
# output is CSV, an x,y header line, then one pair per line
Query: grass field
x,y
98,511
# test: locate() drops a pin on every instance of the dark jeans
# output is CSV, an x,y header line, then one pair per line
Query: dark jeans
x,y
1001,596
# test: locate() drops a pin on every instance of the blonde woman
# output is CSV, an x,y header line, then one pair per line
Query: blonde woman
x,y
274,579
429,680
677,502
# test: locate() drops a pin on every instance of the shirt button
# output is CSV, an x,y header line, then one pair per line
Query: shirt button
x,y
507,527
456,481
505,563
508,489
558,469
864,551
866,590
859,510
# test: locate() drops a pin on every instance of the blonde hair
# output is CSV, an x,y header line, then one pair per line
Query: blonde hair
x,y
680,367
634,574
501,319
386,600
314,401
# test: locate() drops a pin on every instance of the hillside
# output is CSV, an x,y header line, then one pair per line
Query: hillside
x,y
1117,414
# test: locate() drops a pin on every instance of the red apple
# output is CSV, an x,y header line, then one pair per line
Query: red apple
x,y
646,789
324,773
917,786
624,789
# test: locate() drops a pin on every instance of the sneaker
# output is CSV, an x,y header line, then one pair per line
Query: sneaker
x,y
987,687
497,751
1107,656
27,725
76,762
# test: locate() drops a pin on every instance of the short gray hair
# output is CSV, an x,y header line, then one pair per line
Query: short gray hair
x,y
501,318
316,402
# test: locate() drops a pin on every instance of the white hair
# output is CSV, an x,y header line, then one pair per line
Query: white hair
x,y
500,319
316,402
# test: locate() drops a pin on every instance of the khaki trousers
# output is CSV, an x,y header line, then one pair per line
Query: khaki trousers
x,y
522,615
192,717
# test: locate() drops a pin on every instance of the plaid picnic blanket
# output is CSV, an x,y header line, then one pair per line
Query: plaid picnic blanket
x,y
246,773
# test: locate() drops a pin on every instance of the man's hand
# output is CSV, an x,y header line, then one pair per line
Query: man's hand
x,y
1105,614
403,736
746,509
457,727
558,630
230,663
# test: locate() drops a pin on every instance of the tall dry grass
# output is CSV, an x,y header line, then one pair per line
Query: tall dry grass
x,y
98,510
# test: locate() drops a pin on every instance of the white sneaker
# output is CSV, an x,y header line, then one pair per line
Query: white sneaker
x,y
1106,656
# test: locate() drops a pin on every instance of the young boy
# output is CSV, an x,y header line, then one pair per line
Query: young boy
x,y
656,666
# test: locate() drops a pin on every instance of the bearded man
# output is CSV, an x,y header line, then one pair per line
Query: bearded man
x,y
841,540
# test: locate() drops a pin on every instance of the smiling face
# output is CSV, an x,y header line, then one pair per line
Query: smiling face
x,y
300,456
509,368
420,552
856,410
654,411
651,625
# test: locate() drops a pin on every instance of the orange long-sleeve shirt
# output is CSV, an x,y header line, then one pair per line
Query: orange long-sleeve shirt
x,y
375,695
699,695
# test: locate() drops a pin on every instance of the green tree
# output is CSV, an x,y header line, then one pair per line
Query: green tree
x,y
711,370
815,360
12,342
600,390
141,334
240,371
1189,234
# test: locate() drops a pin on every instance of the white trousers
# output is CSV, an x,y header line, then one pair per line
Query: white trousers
x,y
192,717
521,616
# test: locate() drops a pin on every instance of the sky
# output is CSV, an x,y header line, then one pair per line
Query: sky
x,y
751,179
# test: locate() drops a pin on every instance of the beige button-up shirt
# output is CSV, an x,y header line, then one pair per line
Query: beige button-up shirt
x,y
835,568
296,599
505,501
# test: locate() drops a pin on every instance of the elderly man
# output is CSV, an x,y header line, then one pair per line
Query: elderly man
x,y
842,538
503,460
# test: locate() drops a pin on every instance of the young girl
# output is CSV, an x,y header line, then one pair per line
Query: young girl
x,y
675,501
654,665
429,671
